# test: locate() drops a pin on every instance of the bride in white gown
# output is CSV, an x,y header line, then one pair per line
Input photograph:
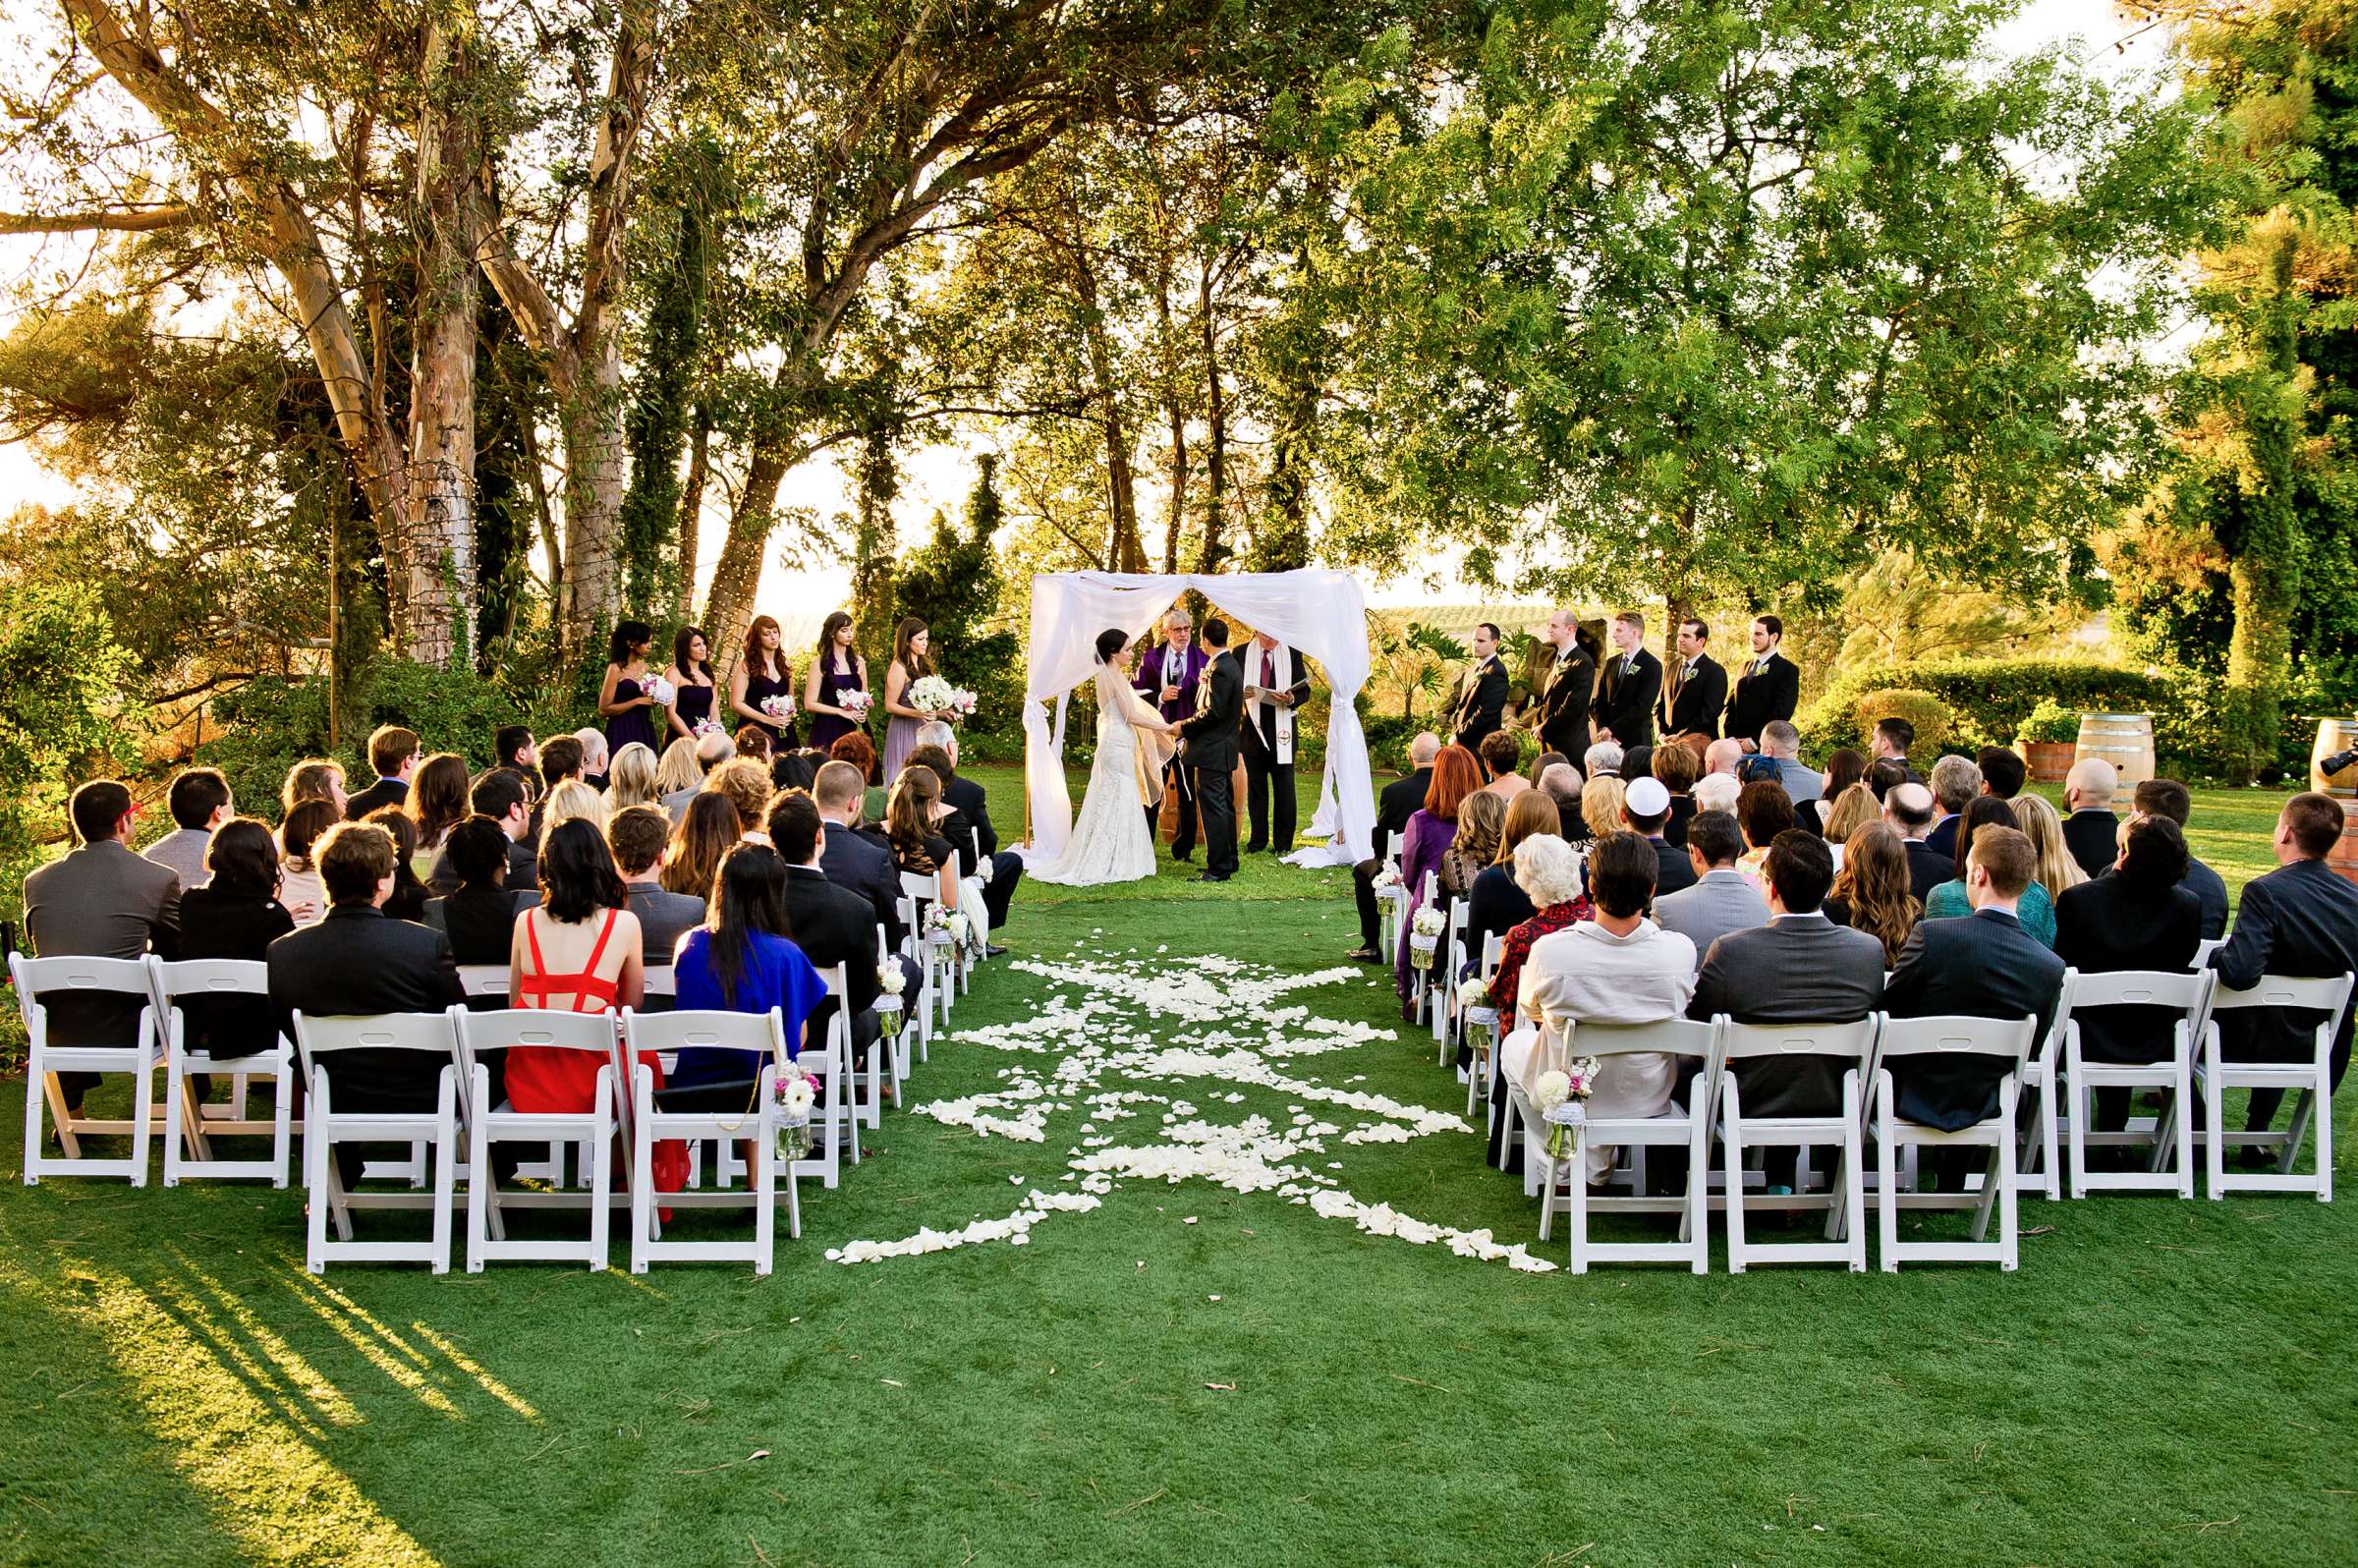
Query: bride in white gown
x,y
1110,842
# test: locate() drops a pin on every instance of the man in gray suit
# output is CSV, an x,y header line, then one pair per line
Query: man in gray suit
x,y
200,803
100,900
1800,968
1722,898
637,835
1782,741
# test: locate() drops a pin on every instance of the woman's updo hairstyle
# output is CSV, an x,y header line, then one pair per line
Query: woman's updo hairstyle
x,y
1109,642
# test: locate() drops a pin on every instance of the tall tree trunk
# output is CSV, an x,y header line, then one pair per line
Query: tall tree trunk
x,y
875,539
1127,550
736,576
658,423
1175,412
2265,570
1213,549
692,507
435,587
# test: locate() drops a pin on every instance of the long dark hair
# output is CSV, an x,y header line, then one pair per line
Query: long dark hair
x,y
835,621
627,637
577,872
757,659
916,664
1979,813
243,859
679,652
706,832
749,896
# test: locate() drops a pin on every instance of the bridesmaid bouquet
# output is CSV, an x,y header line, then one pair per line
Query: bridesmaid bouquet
x,y
857,704
709,726
660,690
932,695
779,707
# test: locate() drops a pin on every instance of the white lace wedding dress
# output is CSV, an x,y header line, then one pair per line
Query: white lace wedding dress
x,y
1110,842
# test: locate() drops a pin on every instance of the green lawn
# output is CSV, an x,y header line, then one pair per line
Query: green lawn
x,y
2161,1382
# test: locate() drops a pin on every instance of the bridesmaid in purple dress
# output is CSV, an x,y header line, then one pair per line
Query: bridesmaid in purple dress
x,y
1431,830
838,668
763,673
909,664
690,675
622,700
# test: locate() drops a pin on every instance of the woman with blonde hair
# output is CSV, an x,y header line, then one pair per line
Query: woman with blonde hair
x,y
1499,904
1852,809
1871,892
2044,827
572,800
631,778
1600,806
745,783
1481,820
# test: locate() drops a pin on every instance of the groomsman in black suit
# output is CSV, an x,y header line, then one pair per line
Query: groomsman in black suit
x,y
1560,711
1770,687
1208,745
1695,689
1276,682
1481,691
1633,679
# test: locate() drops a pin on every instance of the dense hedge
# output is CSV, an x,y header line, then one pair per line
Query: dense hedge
x,y
270,723
1990,699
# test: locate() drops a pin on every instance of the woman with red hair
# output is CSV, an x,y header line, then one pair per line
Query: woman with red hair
x,y
1431,832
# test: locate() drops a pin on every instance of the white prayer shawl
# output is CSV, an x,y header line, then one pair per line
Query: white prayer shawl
x,y
1281,657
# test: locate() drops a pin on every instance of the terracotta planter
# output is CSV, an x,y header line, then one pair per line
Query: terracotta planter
x,y
2049,760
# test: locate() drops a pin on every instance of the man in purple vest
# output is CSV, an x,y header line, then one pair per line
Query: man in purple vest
x,y
1167,675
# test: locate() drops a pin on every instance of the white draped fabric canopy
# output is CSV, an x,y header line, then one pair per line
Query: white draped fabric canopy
x,y
1316,613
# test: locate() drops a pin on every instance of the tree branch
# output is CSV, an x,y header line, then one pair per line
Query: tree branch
x,y
122,220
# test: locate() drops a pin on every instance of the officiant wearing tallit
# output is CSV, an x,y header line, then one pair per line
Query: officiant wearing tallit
x,y
1276,682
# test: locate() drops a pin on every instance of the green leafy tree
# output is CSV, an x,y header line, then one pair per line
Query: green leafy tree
x,y
952,584
69,682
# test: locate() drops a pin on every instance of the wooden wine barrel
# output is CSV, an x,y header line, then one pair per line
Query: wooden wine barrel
x,y
2333,735
2125,740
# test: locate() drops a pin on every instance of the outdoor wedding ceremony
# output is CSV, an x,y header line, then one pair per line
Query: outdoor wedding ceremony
x,y
1547,784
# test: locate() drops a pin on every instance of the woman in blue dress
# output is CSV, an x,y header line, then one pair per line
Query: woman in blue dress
x,y
743,959
622,700
836,669
692,678
763,673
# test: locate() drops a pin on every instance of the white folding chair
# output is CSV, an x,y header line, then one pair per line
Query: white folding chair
x,y
672,1032
2171,1140
2204,949
1686,1122
2041,1157
657,981
868,1087
592,1034
1846,1204
320,1040
191,1154
1480,1068
1391,903
1419,980
935,952
37,977
1901,1037
903,1034
1445,967
2311,1075
484,979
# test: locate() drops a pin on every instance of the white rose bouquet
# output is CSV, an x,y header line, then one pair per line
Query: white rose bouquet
x,y
779,707
709,726
1424,937
888,994
662,691
1387,880
931,695
856,703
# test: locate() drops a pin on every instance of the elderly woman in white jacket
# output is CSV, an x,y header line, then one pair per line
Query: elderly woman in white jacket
x,y
1618,968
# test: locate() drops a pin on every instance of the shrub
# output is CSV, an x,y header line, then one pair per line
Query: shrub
x,y
63,718
270,723
1989,699
1932,717
2051,722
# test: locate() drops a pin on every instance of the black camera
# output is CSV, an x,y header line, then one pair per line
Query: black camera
x,y
2338,762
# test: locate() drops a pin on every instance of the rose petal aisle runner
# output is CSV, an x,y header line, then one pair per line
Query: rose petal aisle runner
x,y
1139,1067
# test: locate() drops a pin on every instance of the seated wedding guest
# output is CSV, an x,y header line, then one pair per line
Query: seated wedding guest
x,y
569,801
2035,909
1618,968
1717,791
1908,808
2299,920
1796,967
1985,966
2166,797
438,801
1890,743
1395,803
852,860
972,805
393,755
1679,771
478,916
313,780
743,959
948,820
1762,812
1781,742
596,757
1852,809
2091,830
356,963
631,780
2044,827
832,924
1546,872
513,746
679,775
707,834
2003,771
1645,807
753,741
2135,916
1885,774
560,761
637,836
1637,763
1599,808
1542,762
860,752
200,803
1601,761
915,817
1843,769
1499,904
1502,758
1721,899
1432,828
1722,757
794,769
745,781
1870,891
1562,784
1480,820
505,797
408,902
577,951
235,915
298,885
98,900
1955,782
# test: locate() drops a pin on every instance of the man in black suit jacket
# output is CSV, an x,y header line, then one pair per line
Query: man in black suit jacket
x,y
2168,798
1208,746
1395,804
1633,679
1560,711
1695,689
2092,832
358,962
1767,688
832,924
1983,965
2299,922
1281,681
1481,691
1908,809
2134,916
1800,968
1646,807
395,755
852,860
968,800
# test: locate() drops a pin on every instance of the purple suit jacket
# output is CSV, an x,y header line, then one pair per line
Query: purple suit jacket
x,y
1151,678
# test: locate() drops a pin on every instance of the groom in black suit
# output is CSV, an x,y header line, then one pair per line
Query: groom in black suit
x,y
1208,748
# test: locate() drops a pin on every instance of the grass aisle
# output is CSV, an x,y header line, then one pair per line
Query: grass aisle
x,y
2161,1381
